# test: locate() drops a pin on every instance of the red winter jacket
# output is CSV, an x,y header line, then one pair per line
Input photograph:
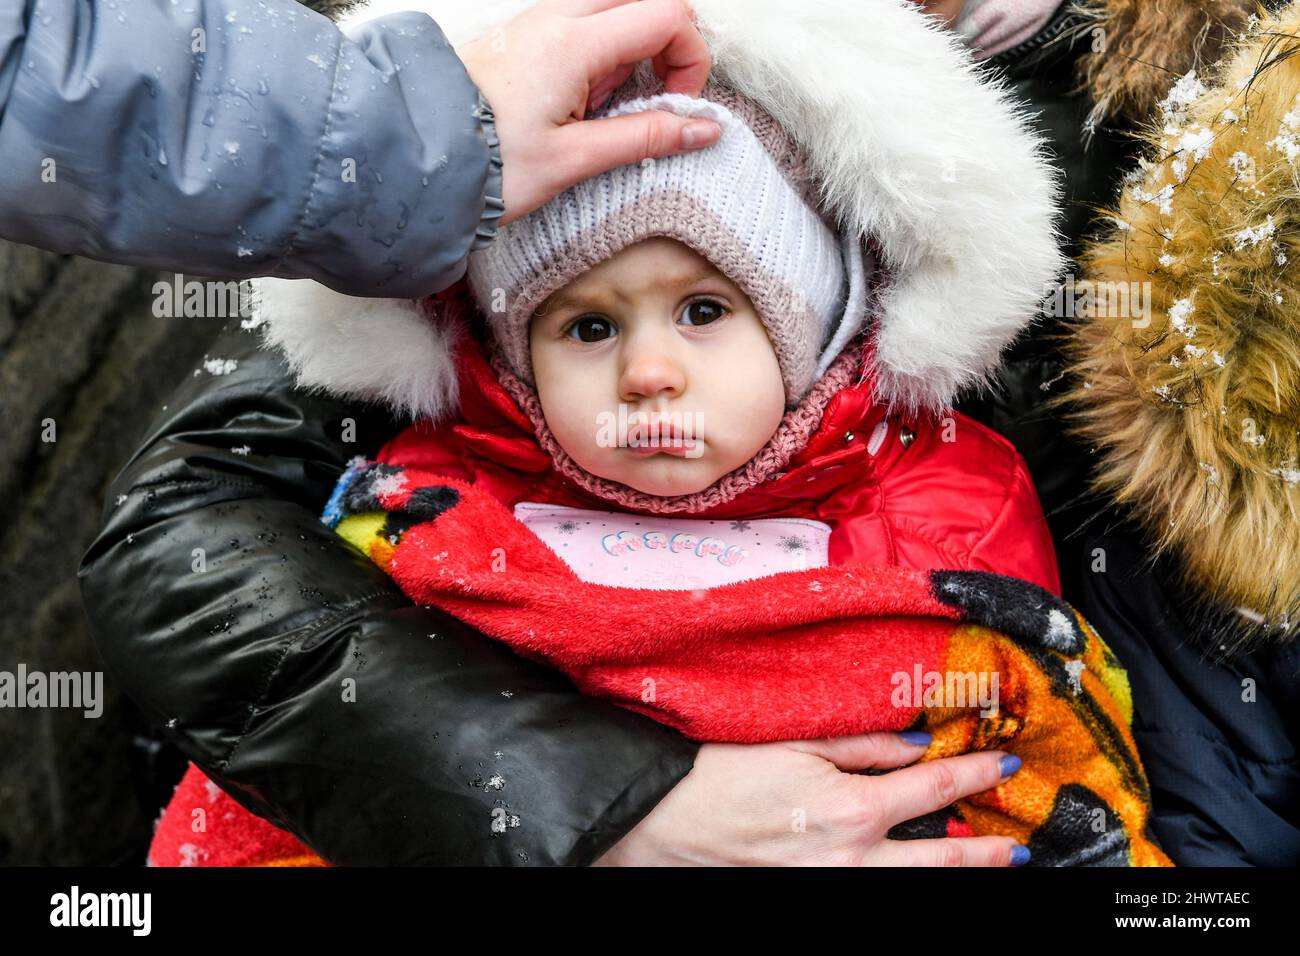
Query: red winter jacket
x,y
920,492
893,492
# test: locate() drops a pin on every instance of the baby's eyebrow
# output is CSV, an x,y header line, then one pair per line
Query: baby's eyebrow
x,y
562,300
570,300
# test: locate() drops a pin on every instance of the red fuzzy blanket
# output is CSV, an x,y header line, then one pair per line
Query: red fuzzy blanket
x,y
824,652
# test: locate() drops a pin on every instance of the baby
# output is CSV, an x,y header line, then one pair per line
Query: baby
x,y
687,341
689,468
642,330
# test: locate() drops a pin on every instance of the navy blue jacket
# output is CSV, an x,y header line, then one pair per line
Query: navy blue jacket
x,y
1217,736
234,139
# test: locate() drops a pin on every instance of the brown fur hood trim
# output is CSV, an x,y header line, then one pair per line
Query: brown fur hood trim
x,y
1140,46
1194,408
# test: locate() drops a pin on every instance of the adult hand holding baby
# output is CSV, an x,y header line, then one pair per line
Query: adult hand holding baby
x,y
804,803
545,69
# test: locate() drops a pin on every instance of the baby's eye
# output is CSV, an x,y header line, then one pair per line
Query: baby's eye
x,y
591,328
703,311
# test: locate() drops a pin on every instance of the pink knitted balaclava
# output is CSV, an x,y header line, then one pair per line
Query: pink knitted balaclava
x,y
748,204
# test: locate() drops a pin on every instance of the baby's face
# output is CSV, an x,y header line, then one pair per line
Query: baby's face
x,y
655,343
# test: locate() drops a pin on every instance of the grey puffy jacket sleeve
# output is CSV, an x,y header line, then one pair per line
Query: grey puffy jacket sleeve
x,y
240,138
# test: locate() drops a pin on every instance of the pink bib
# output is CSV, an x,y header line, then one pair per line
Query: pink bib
x,y
650,551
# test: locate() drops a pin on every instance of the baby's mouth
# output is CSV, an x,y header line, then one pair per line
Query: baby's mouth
x,y
659,435
653,438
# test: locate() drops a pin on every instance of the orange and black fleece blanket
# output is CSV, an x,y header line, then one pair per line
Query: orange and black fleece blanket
x,y
978,660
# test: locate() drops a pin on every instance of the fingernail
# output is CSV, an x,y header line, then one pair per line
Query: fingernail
x,y
1019,855
700,133
917,738
1008,765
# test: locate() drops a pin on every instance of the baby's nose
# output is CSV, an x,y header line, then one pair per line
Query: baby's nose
x,y
650,371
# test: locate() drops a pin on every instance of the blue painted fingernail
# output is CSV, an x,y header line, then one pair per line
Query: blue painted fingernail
x,y
1008,765
917,738
1019,855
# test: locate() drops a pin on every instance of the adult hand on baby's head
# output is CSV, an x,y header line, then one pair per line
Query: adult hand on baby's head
x,y
544,69
799,803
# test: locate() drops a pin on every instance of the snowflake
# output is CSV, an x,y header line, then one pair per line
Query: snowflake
x,y
1165,197
503,820
382,484
1184,93
1197,142
191,854
1059,628
1178,316
568,526
792,543
1288,473
219,366
740,526
1286,141
1254,235
1075,671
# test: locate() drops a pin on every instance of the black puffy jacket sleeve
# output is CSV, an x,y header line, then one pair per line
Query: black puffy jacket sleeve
x,y
234,617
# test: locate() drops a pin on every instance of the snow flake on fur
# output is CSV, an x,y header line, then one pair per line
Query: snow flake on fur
x,y
1195,411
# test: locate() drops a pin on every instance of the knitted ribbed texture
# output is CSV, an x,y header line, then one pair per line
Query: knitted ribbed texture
x,y
792,434
731,202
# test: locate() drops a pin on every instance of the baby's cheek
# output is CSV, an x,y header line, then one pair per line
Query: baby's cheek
x,y
578,429
745,423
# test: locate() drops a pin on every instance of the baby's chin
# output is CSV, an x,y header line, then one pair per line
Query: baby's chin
x,y
663,475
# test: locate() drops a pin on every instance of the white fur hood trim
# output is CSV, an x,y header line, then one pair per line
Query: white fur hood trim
x,y
910,143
